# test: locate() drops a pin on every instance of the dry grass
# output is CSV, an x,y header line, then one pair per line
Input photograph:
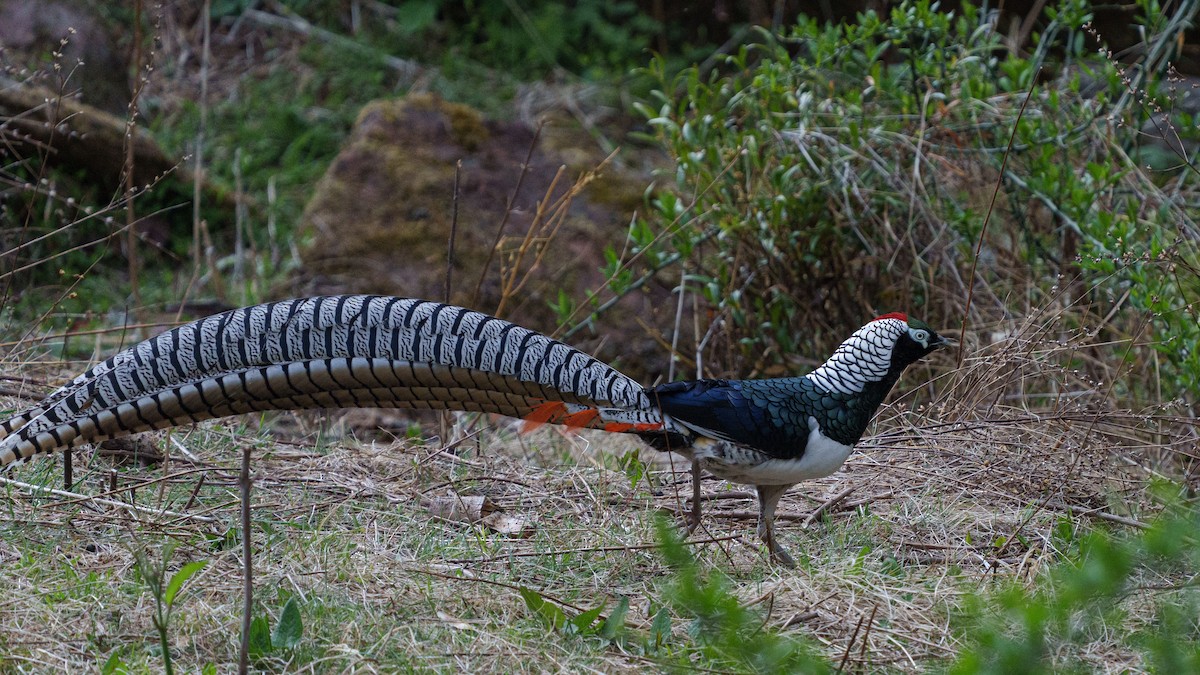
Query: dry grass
x,y
969,492
966,490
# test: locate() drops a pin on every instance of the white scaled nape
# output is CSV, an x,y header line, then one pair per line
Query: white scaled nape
x,y
865,357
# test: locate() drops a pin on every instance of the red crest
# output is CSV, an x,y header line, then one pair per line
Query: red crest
x,y
893,315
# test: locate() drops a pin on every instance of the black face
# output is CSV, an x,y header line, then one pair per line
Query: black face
x,y
917,342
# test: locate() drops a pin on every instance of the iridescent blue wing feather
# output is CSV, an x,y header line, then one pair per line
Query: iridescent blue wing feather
x,y
769,418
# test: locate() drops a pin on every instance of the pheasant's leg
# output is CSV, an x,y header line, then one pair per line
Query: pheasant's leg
x,y
768,499
692,521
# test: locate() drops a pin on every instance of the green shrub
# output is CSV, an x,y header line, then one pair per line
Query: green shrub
x,y
837,172
1134,593
725,634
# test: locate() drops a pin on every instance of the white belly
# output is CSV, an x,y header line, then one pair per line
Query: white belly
x,y
822,456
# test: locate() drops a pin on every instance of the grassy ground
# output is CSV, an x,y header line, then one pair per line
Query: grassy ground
x,y
995,482
939,504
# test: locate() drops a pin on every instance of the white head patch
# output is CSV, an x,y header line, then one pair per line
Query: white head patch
x,y
864,357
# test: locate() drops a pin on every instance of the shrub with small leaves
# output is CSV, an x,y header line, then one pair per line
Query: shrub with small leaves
x,y
912,162
1089,600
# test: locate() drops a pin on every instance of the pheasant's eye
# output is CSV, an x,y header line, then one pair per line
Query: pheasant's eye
x,y
921,336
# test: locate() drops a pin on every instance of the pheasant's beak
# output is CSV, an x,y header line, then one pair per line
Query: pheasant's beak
x,y
944,341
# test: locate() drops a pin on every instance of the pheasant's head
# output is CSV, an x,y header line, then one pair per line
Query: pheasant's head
x,y
913,338
877,352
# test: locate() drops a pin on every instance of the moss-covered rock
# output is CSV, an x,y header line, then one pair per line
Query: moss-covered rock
x,y
380,220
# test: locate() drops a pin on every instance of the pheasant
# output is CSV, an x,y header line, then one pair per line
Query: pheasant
x,y
377,351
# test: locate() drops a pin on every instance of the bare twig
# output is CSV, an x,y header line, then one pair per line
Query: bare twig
x,y
1114,518
453,233
131,240
40,489
198,150
408,70
195,492
862,653
826,505
962,337
508,209
247,561
850,643
592,549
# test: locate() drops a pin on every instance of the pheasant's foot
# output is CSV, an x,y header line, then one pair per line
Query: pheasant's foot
x,y
780,556
768,498
688,521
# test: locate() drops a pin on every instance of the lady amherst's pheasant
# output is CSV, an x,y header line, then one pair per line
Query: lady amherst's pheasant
x,y
374,351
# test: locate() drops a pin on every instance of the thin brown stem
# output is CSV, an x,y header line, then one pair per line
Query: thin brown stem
x,y
247,560
962,336
512,199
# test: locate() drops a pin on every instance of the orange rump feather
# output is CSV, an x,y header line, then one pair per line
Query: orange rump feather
x,y
581,419
550,411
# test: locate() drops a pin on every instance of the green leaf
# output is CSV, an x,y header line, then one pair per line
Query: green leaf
x,y
260,637
633,467
660,628
583,622
115,665
290,628
180,578
548,612
615,623
415,16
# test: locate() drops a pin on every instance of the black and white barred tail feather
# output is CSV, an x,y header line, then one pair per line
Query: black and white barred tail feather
x,y
332,352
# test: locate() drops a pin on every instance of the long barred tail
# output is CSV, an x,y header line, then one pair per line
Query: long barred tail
x,y
333,352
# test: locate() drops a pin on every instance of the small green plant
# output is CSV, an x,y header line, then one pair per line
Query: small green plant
x,y
165,591
115,665
725,634
530,39
586,623
288,632
633,466
1085,598
722,634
